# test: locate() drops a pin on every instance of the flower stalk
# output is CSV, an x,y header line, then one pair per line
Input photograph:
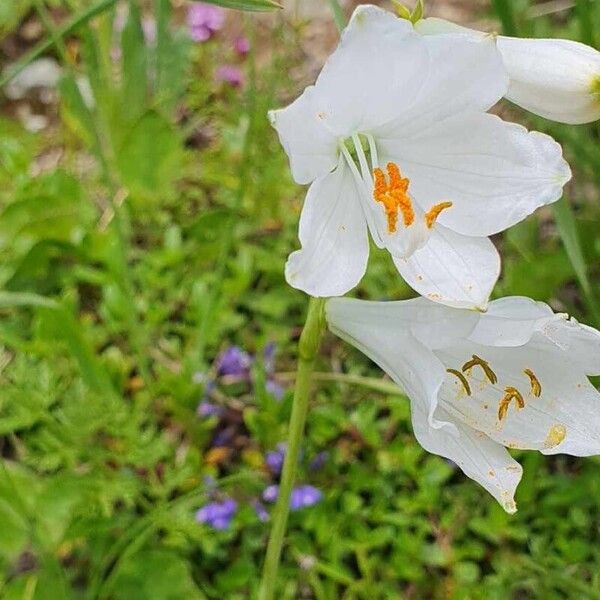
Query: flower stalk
x,y
308,348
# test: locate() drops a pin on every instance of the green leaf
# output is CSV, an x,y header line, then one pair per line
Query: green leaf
x,y
156,574
250,5
338,14
135,65
567,228
53,207
150,155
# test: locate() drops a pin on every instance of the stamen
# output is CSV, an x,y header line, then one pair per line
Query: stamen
x,y
536,386
511,394
393,196
433,213
462,379
477,361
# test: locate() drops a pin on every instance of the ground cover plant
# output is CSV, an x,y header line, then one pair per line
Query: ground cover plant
x,y
148,340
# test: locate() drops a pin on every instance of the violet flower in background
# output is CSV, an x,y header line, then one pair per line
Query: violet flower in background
x,y
241,45
275,458
318,461
204,20
209,409
273,387
233,361
217,515
230,74
303,496
260,510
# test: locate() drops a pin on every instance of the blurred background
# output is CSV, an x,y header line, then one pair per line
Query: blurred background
x,y
148,338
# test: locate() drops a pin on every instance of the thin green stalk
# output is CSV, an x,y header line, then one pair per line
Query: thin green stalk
x,y
61,32
338,14
504,10
310,341
372,383
125,279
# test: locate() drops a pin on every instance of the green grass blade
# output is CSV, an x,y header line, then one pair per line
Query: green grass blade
x,y
249,5
338,14
65,327
61,32
504,10
567,229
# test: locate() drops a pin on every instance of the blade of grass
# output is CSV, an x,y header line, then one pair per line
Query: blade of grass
x,y
76,22
65,327
248,5
567,229
338,14
504,10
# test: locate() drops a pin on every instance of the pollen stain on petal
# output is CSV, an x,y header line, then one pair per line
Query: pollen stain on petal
x,y
556,435
434,212
393,194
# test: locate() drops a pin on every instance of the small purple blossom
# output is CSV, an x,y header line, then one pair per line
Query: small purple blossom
x,y
304,496
260,510
241,45
275,458
233,361
275,389
217,515
270,493
230,74
318,461
204,20
208,409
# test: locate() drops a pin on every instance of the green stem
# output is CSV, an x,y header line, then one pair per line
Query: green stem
x,y
310,341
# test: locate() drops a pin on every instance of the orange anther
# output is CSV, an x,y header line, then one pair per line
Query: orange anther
x,y
433,213
393,196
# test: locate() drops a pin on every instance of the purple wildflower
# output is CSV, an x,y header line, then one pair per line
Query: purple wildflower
x,y
275,389
233,361
208,409
260,510
217,515
204,20
270,493
230,74
318,461
274,459
304,496
241,45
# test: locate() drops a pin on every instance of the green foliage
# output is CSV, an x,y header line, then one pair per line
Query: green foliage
x,y
162,235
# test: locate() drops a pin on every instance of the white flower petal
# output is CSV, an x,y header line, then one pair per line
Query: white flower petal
x,y
495,176
453,269
390,344
434,325
465,74
333,234
510,321
376,71
480,458
562,417
514,321
310,146
553,78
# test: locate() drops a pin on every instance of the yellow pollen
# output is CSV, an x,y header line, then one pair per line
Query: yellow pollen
x,y
477,361
511,394
556,434
393,196
433,213
462,379
536,386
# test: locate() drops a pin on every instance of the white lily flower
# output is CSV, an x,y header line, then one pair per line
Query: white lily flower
x,y
515,376
395,141
556,79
